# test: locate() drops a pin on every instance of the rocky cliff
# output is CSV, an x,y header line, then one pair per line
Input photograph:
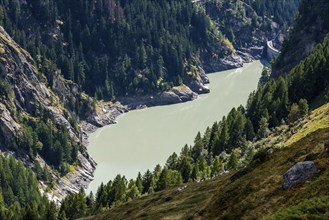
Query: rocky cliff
x,y
311,27
24,91
248,25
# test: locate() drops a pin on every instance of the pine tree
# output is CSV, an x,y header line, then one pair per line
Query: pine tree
x,y
263,130
249,130
233,161
139,182
164,179
303,107
197,149
148,181
172,161
185,169
224,137
195,175
294,113
216,167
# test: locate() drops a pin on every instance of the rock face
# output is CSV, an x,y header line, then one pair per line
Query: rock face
x,y
108,114
311,27
255,52
26,89
197,85
175,95
211,65
299,173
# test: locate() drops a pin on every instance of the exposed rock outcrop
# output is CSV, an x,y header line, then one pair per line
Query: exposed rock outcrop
x,y
299,173
214,65
310,29
255,52
107,112
26,91
175,95
198,84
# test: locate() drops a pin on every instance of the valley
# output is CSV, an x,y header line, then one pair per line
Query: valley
x,y
168,109
155,133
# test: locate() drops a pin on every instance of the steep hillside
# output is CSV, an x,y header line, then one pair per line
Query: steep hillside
x,y
310,28
20,196
35,126
262,142
117,48
249,23
253,192
153,52
257,191
276,125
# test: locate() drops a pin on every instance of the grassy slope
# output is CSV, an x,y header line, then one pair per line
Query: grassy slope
x,y
254,192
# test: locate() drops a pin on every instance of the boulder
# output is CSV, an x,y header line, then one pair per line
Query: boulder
x,y
299,173
176,95
269,151
212,64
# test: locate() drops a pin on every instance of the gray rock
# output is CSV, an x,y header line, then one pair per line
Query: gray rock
x,y
255,52
177,95
29,92
299,173
269,151
230,62
246,57
198,87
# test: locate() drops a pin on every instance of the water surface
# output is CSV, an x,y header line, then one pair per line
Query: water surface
x,y
144,138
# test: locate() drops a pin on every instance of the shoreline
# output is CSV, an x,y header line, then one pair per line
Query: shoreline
x,y
108,112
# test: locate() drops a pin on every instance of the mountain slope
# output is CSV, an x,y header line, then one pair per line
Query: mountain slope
x,y
35,126
232,142
310,29
248,24
253,192
115,48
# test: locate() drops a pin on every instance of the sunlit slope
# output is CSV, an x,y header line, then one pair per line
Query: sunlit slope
x,y
254,192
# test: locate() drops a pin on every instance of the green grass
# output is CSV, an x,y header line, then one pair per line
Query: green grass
x,y
315,208
166,204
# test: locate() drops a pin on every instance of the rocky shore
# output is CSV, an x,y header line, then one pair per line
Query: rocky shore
x,y
236,60
29,91
107,112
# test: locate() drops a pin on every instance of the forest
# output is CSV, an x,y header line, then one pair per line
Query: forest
x,y
86,41
247,23
20,196
225,146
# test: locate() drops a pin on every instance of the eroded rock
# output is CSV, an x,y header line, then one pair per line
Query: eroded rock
x,y
299,173
28,91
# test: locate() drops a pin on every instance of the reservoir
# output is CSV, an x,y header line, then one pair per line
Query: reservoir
x,y
144,138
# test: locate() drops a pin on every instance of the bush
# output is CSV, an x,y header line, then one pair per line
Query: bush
x,y
314,208
261,156
5,89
